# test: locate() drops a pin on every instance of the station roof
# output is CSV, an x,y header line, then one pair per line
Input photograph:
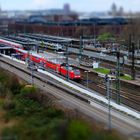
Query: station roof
x,y
47,39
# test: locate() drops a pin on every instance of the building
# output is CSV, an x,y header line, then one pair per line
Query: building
x,y
92,27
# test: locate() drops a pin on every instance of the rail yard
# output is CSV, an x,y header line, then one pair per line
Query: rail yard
x,y
62,58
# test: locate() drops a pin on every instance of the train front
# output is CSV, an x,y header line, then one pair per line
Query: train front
x,y
74,73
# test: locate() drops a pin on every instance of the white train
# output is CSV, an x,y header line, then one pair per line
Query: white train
x,y
54,46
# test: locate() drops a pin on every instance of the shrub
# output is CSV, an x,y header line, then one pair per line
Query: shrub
x,y
3,90
3,76
52,113
57,129
8,105
78,130
25,108
9,133
27,90
14,85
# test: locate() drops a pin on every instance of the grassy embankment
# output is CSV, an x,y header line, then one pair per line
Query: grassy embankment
x,y
27,114
107,71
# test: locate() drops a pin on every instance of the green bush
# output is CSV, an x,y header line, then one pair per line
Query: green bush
x,y
3,76
3,90
1,102
78,130
105,37
52,113
34,94
27,90
9,83
14,85
9,133
57,129
25,108
34,128
8,105
37,121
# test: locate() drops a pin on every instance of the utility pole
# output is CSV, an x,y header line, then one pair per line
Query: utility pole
x,y
129,45
30,64
32,70
67,63
28,54
118,76
133,72
80,49
139,46
108,96
87,77
132,49
94,36
24,29
8,30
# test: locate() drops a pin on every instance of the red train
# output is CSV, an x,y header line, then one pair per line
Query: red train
x,y
72,73
12,44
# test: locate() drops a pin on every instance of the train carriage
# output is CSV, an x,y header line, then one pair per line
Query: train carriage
x,y
12,44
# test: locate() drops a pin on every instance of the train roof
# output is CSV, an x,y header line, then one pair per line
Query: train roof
x,y
45,55
5,41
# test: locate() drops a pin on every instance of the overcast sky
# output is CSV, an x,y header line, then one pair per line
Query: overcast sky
x,y
77,5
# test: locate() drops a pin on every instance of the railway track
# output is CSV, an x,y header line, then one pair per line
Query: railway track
x,y
126,98
124,124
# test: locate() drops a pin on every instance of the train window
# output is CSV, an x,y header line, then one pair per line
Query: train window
x,y
70,68
77,72
37,58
